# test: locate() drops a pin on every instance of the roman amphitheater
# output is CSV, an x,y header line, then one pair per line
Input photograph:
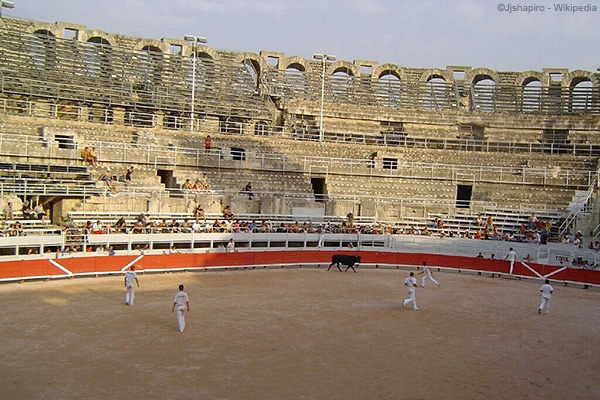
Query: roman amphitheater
x,y
454,165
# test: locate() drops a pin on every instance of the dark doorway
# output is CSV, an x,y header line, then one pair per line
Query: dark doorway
x,y
318,186
166,177
463,196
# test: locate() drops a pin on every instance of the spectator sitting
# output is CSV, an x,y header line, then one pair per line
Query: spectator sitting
x,y
8,211
97,227
199,213
89,157
187,185
94,157
121,225
109,178
480,255
27,210
205,182
16,229
227,213
39,211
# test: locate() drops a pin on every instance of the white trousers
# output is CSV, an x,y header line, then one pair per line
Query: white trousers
x,y
545,305
180,318
130,295
411,299
428,276
512,264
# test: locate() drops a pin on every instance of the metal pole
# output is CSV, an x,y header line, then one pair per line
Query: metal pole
x,y
193,86
195,40
321,136
324,58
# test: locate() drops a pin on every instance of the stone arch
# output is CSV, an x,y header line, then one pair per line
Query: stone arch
x,y
389,85
434,73
434,89
388,68
95,36
574,78
581,91
42,49
295,74
530,91
476,75
151,59
341,80
41,26
526,77
483,89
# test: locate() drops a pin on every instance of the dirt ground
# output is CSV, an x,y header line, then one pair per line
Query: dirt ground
x,y
298,334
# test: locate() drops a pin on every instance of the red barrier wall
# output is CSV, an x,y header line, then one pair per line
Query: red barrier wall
x,y
85,265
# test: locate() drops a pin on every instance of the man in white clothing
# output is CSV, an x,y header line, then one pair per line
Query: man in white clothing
x,y
547,291
411,283
130,280
511,256
230,246
428,275
180,302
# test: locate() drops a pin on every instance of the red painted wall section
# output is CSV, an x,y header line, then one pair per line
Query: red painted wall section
x,y
36,268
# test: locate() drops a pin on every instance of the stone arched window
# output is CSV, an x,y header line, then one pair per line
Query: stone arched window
x,y
204,68
151,62
484,94
388,89
581,95
531,95
96,56
252,71
42,50
341,85
435,94
295,78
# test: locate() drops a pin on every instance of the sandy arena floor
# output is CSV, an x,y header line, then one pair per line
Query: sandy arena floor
x,y
298,334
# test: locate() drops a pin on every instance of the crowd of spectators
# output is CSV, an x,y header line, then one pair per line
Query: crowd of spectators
x,y
200,184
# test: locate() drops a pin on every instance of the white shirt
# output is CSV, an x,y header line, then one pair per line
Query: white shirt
x,y
180,299
546,290
411,282
427,270
512,256
230,247
130,277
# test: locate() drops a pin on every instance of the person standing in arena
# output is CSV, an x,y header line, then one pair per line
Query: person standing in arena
x,y
411,283
511,256
428,275
547,291
130,279
180,302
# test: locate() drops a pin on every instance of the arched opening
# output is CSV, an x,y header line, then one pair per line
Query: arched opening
x,y
483,93
531,96
151,61
246,82
435,94
253,71
388,89
341,85
42,50
204,64
97,52
295,79
581,95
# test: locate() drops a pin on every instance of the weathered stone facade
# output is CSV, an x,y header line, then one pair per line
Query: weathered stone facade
x,y
412,133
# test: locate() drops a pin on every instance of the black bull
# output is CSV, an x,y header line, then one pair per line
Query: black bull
x,y
344,260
